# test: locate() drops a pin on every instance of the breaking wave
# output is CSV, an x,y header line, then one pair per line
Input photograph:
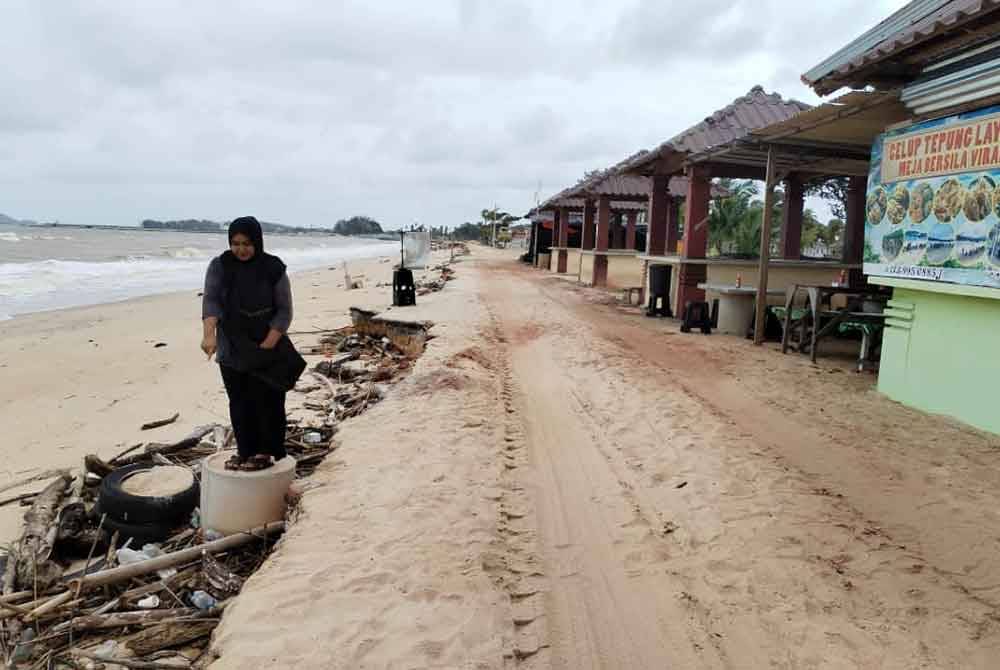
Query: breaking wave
x,y
55,284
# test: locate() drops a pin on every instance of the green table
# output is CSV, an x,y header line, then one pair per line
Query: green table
x,y
804,328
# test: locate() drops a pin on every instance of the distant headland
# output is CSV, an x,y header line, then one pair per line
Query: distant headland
x,y
354,226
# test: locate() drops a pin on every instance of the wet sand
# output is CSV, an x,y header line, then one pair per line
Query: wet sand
x,y
83,380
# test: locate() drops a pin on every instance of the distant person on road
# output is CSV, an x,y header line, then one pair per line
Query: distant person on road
x,y
246,311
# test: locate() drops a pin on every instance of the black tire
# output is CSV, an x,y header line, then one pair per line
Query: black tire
x,y
126,508
141,533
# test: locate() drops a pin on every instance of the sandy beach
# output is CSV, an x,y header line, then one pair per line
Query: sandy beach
x,y
562,483
84,380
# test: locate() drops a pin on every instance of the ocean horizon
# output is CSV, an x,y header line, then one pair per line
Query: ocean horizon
x,y
43,268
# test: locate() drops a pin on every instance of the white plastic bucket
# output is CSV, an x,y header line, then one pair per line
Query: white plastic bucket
x,y
233,501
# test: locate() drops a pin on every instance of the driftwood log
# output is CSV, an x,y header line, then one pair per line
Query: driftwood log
x,y
20,498
188,442
160,422
125,572
32,566
167,636
118,457
128,662
48,474
48,606
122,619
93,463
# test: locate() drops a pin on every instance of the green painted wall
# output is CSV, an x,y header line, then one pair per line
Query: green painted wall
x,y
940,351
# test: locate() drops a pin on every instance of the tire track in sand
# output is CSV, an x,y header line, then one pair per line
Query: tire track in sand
x,y
592,608
516,566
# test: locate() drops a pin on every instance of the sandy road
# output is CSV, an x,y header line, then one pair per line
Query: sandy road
x,y
681,512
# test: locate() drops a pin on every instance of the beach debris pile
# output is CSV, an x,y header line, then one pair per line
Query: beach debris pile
x,y
456,248
433,280
362,360
77,594
100,578
425,285
83,587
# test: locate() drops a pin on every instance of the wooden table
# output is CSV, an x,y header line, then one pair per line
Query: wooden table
x,y
736,306
818,323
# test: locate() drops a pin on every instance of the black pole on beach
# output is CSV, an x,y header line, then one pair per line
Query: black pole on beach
x,y
402,258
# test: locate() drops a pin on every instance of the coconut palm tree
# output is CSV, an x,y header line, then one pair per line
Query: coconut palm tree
x,y
493,219
727,215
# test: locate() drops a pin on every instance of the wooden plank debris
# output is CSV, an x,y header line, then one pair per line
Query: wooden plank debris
x,y
160,422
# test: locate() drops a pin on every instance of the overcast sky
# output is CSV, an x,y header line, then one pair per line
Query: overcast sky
x,y
307,112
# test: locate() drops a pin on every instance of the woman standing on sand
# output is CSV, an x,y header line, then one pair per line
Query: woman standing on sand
x,y
246,311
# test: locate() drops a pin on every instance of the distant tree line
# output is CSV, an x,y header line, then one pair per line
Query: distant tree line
x,y
467,232
357,225
199,225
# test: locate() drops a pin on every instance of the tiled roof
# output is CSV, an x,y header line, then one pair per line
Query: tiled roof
x,y
754,110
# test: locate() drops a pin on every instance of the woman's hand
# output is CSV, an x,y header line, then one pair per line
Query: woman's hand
x,y
271,341
209,344
208,337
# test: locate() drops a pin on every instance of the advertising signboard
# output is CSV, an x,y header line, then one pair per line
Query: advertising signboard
x,y
933,202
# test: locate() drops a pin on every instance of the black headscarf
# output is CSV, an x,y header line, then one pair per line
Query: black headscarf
x,y
248,286
262,264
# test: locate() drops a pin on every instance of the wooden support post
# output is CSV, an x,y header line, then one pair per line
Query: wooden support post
x,y
854,227
673,230
696,216
791,219
587,238
659,201
554,241
563,240
603,223
603,241
765,248
689,275
536,230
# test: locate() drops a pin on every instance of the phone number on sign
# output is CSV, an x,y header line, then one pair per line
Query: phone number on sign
x,y
915,271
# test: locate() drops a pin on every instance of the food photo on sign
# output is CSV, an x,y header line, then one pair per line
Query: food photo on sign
x,y
933,201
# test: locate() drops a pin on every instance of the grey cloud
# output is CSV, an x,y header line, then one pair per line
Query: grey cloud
x,y
306,111
540,125
652,32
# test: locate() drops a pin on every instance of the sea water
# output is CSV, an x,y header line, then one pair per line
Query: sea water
x,y
44,268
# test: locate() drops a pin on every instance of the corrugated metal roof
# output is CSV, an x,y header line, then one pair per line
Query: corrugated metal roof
x,y
754,110
853,119
977,82
910,26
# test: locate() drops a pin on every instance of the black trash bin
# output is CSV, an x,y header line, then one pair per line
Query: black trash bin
x,y
404,292
697,314
659,291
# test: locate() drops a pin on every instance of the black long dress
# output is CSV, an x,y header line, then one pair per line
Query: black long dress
x,y
256,379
